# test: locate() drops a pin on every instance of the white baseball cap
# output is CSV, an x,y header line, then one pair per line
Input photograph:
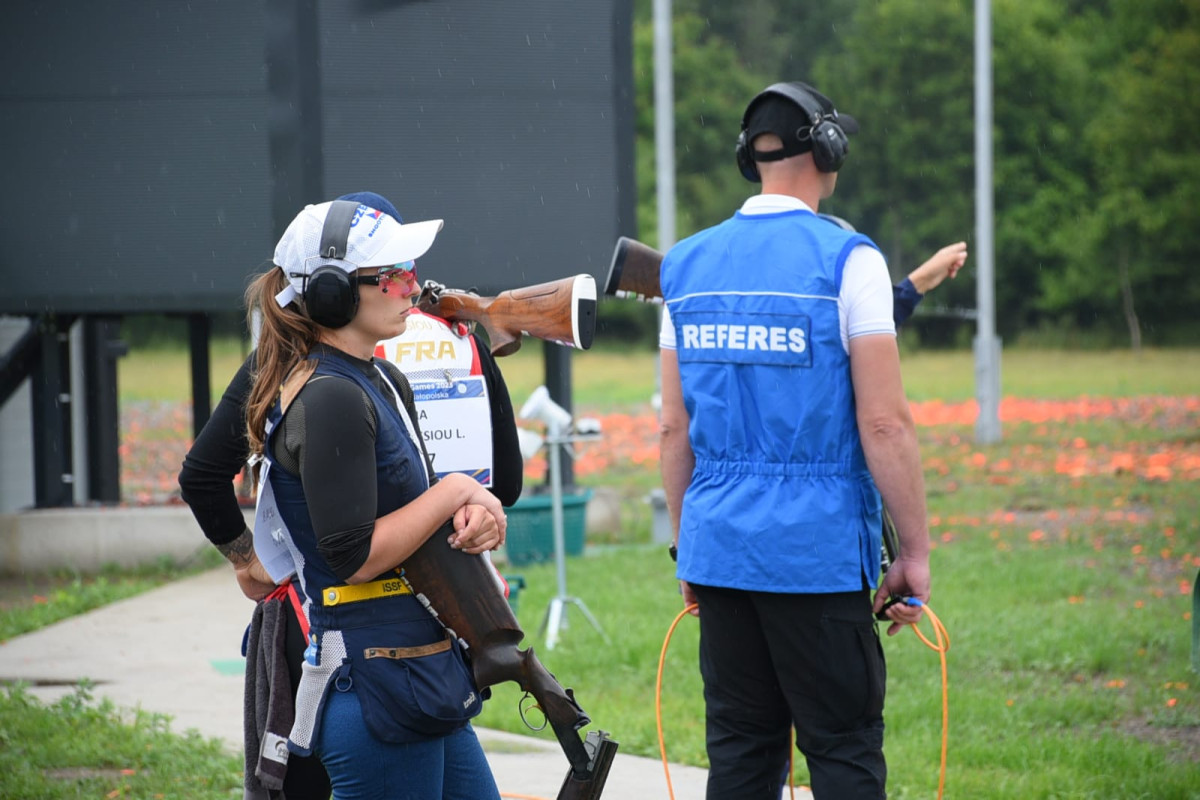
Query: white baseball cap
x,y
374,240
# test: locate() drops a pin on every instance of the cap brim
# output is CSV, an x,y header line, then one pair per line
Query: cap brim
x,y
412,241
848,123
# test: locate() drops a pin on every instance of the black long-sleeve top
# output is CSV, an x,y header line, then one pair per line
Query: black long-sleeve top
x,y
220,451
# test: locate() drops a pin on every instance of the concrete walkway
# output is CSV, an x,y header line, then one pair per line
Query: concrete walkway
x,y
176,650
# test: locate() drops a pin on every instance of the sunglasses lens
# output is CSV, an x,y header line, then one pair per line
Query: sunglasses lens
x,y
404,271
402,276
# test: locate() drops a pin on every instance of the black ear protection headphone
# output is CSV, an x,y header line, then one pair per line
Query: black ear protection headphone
x,y
330,293
829,142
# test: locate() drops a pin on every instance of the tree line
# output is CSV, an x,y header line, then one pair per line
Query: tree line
x,y
1096,145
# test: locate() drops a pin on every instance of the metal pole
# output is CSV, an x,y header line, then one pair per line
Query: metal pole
x,y
199,339
557,377
52,445
987,345
664,145
664,124
555,441
556,613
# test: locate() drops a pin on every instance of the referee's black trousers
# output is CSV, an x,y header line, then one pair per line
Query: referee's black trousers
x,y
770,661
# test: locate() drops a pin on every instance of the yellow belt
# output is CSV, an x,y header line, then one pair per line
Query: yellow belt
x,y
353,593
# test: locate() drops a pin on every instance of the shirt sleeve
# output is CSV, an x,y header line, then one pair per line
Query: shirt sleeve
x,y
336,453
508,466
905,299
865,300
215,459
666,333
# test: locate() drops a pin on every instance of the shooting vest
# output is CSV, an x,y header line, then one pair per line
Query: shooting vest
x,y
780,499
442,364
403,699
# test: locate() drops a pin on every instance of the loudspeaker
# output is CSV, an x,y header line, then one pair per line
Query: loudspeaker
x,y
330,293
539,406
829,142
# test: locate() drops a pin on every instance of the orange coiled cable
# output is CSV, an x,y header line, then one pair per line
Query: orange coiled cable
x,y
942,647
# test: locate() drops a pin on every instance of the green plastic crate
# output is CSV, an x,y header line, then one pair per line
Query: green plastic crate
x,y
530,538
515,584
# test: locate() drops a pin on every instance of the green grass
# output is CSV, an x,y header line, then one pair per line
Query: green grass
x,y
38,601
614,377
1069,666
77,748
164,374
1066,598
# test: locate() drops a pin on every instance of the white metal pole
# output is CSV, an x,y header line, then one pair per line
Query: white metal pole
x,y
664,123
555,442
664,142
557,614
987,345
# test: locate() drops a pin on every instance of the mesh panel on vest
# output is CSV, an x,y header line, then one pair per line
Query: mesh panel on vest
x,y
436,374
313,683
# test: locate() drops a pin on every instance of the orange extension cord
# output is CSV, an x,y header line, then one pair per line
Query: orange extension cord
x,y
942,647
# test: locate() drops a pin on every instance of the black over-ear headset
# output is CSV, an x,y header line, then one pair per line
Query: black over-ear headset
x,y
829,143
330,293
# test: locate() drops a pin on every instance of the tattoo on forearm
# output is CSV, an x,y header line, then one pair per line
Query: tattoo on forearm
x,y
240,551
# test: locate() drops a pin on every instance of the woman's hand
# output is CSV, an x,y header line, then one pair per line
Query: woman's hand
x,y
479,496
251,575
476,530
254,581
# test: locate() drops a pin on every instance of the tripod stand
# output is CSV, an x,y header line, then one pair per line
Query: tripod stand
x,y
556,616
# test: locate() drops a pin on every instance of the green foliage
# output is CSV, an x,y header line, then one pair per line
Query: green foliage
x,y
906,76
711,90
1096,160
625,320
1148,169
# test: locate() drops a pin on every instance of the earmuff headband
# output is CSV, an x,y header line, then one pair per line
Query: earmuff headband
x,y
335,233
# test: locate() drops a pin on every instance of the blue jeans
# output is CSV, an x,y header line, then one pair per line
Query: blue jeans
x,y
363,768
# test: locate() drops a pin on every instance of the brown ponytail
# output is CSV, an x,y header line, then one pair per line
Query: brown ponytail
x,y
285,339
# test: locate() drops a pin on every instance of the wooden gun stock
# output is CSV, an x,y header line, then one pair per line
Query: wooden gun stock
x,y
634,272
460,590
562,311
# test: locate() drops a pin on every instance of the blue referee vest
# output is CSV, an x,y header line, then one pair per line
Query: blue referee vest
x,y
781,499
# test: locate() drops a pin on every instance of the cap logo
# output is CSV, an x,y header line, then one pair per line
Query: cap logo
x,y
373,214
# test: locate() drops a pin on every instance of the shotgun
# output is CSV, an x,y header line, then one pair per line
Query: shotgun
x,y
561,311
459,589
634,272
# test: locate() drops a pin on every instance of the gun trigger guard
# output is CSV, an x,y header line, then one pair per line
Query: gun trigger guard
x,y
521,711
